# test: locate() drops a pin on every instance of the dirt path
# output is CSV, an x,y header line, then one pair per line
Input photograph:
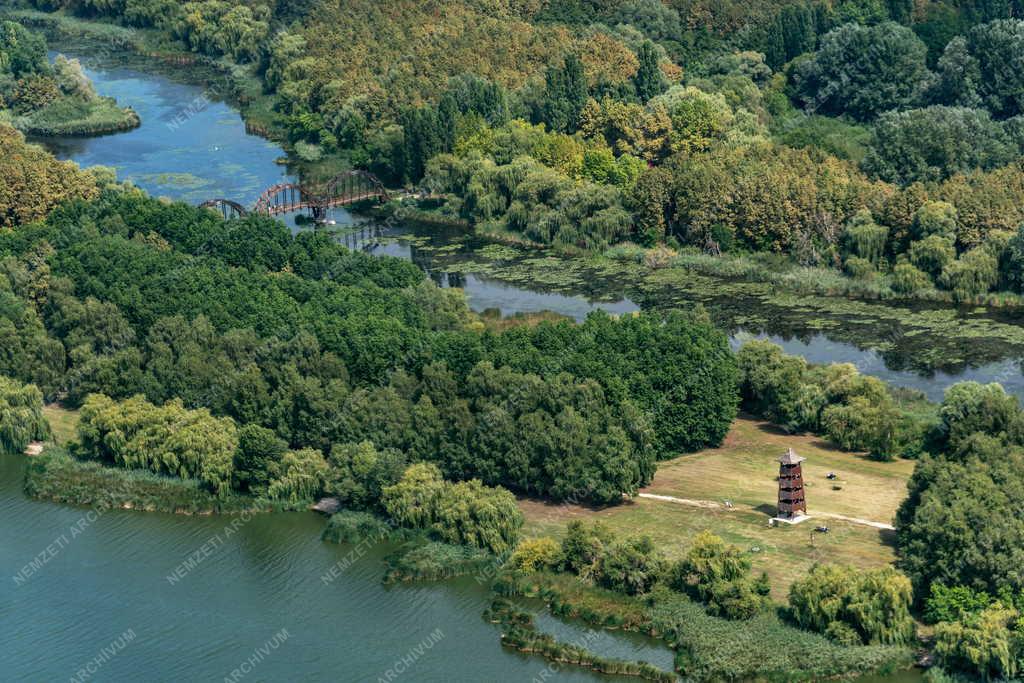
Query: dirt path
x,y
713,505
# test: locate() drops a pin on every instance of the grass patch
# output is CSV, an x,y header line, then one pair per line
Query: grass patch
x,y
350,526
744,470
63,422
764,648
70,117
56,476
433,561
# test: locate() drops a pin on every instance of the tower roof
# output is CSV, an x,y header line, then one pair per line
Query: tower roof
x,y
790,457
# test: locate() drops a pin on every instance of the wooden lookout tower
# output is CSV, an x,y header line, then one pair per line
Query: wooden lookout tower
x,y
791,486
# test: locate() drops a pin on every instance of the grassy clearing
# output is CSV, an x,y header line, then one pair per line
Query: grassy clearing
x,y
63,422
743,471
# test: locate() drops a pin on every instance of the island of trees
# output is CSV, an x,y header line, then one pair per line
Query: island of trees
x,y
40,98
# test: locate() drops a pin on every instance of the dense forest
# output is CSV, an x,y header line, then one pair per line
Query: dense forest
x,y
882,138
878,138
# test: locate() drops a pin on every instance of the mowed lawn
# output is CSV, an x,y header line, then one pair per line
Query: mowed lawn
x,y
743,471
63,422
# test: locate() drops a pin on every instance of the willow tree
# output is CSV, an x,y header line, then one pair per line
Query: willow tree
x,y
854,606
21,416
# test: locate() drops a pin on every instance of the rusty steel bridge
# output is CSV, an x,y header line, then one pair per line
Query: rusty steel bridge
x,y
343,189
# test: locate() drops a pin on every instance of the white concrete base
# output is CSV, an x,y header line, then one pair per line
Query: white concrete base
x,y
790,520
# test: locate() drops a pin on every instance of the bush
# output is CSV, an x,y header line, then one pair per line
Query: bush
x,y
21,416
932,254
466,513
535,554
971,407
972,275
863,71
906,279
864,424
859,268
771,383
631,566
166,439
935,218
987,645
934,143
865,238
719,575
954,603
962,523
583,545
873,605
302,476
258,458
360,473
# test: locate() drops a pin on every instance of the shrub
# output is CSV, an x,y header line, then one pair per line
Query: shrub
x,y
906,279
932,254
258,458
771,382
859,268
863,424
21,416
954,603
865,238
534,554
631,566
872,604
961,523
359,473
301,478
934,143
971,275
970,407
719,575
583,545
934,218
166,439
987,645
466,513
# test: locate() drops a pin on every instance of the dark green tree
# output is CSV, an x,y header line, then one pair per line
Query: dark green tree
x,y
565,94
649,80
258,458
863,71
